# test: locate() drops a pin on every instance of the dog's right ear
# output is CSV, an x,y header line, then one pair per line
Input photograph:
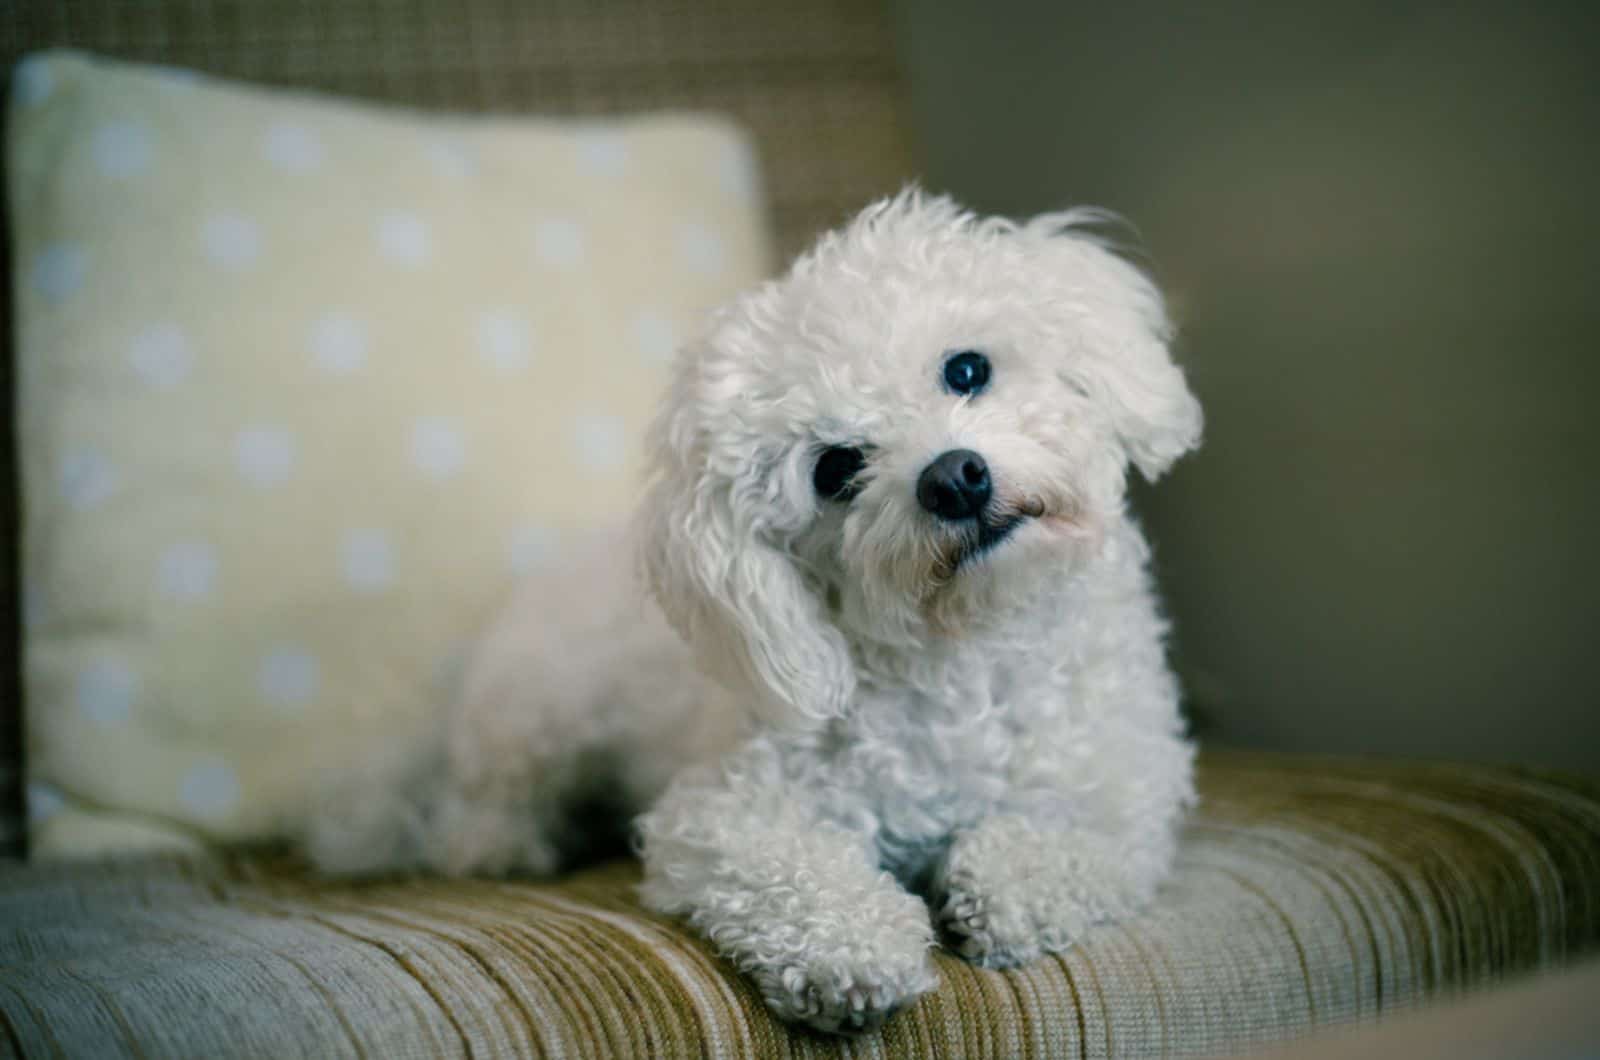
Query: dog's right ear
x,y
1126,364
711,557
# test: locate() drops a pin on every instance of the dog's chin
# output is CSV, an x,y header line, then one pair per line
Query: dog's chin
x,y
996,568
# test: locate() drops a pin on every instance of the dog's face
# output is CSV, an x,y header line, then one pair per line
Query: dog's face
x,y
927,419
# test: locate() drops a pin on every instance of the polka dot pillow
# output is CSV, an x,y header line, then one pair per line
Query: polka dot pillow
x,y
302,386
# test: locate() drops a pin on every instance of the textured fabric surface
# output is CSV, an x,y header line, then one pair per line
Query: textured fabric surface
x,y
303,386
814,80
1309,893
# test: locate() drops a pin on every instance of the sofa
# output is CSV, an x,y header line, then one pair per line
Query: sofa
x,y
1311,893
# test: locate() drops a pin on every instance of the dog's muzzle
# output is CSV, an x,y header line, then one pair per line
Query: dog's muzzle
x,y
956,488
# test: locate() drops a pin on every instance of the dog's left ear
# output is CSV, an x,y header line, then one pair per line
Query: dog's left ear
x,y
1124,363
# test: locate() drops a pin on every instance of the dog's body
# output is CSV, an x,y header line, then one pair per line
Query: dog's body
x,y
886,514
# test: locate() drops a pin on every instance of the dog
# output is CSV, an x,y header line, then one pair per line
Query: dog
x,y
903,677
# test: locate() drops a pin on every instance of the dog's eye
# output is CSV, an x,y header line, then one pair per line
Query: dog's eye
x,y
966,372
834,477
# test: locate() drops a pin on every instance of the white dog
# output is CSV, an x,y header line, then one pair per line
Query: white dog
x,y
886,513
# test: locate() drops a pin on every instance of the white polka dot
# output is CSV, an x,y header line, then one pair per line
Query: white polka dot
x,y
403,238
532,547
289,677
338,342
292,148
187,571
452,159
59,271
438,447
558,241
120,149
601,441
32,81
738,172
654,335
160,356
603,152
106,690
366,558
265,454
86,479
231,240
700,248
44,802
505,339
210,789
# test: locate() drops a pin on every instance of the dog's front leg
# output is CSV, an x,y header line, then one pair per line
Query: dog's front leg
x,y
1013,888
798,904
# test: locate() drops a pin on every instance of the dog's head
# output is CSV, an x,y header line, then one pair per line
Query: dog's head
x,y
929,417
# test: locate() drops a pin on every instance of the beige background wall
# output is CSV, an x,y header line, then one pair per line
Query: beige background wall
x,y
1379,227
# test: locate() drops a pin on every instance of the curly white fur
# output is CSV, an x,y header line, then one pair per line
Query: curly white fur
x,y
902,739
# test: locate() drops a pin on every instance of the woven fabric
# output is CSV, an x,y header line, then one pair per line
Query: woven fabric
x,y
1308,894
814,80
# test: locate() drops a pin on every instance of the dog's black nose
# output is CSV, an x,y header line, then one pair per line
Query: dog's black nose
x,y
955,485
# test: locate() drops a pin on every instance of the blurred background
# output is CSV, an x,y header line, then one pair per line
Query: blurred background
x,y
1377,224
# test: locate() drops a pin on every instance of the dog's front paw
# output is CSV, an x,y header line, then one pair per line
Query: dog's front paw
x,y
970,929
1008,891
841,1000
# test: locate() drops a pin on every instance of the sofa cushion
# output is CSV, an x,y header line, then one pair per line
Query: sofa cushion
x,y
302,387
1308,893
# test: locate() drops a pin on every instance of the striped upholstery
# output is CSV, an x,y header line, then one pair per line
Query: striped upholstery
x,y
813,80
1309,893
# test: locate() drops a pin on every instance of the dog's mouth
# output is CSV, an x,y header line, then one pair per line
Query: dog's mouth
x,y
992,529
996,525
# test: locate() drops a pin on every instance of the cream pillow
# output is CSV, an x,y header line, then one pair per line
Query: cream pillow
x,y
302,386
